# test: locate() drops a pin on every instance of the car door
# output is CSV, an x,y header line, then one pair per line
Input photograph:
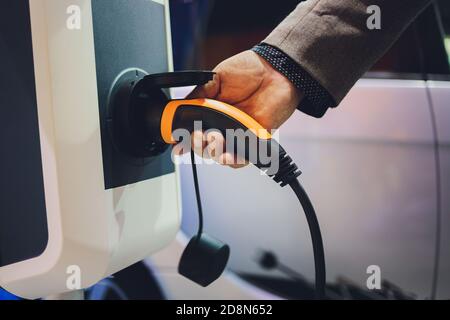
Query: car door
x,y
439,88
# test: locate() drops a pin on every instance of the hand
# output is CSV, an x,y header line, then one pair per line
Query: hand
x,y
251,84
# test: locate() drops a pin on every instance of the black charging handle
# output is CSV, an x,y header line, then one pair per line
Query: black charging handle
x,y
136,104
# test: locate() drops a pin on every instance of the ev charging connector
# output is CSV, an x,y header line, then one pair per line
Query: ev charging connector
x,y
143,119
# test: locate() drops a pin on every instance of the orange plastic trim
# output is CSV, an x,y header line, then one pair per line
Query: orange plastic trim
x,y
233,112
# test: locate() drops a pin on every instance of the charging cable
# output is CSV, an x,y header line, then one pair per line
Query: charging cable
x,y
197,195
287,174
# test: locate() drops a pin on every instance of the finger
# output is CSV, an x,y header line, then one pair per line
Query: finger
x,y
199,144
209,90
239,162
180,149
215,144
216,151
232,161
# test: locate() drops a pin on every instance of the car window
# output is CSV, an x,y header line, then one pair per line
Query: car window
x,y
236,25
226,31
420,51
402,60
444,10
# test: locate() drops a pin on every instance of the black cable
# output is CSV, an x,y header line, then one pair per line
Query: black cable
x,y
316,237
437,172
287,174
197,195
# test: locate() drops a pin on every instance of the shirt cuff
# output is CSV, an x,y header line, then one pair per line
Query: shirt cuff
x,y
316,99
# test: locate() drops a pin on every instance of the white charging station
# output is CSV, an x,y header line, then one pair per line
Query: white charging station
x,y
99,211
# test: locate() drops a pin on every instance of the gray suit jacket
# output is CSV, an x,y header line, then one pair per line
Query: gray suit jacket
x,y
331,41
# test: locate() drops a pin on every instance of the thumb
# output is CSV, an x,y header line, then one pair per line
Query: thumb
x,y
210,90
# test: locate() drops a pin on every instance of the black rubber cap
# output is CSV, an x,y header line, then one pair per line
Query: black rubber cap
x,y
204,260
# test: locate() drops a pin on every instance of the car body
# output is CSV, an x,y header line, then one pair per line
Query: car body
x,y
378,172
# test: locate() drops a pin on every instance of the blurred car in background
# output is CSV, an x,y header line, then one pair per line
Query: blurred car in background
x,y
377,169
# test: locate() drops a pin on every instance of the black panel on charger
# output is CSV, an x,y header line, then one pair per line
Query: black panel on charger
x,y
23,217
128,36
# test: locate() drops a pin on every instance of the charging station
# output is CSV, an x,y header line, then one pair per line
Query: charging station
x,y
90,186
70,198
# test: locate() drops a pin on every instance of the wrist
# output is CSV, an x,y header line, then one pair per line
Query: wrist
x,y
314,99
295,94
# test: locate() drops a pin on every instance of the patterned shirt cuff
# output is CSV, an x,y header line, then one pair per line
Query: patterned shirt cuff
x,y
316,99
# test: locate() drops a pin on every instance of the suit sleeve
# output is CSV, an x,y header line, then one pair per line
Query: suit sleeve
x,y
330,42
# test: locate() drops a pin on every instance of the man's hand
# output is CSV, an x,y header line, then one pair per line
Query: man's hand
x,y
249,83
